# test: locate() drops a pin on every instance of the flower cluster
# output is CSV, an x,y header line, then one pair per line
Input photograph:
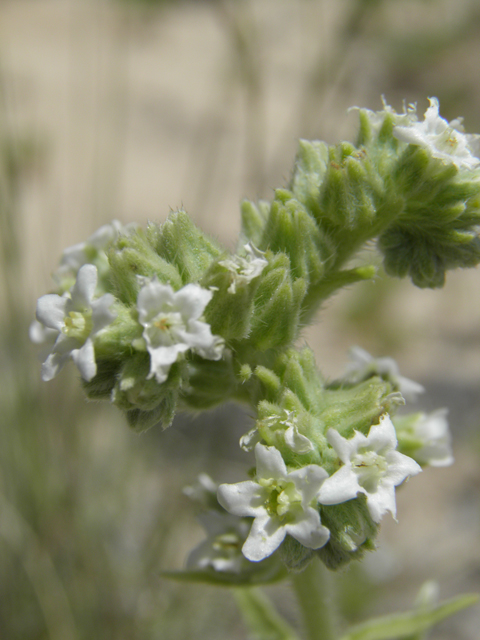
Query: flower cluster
x,y
283,501
81,321
444,140
163,319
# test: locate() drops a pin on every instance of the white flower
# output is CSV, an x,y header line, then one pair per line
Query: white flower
x,y
92,250
363,366
293,439
171,325
244,270
445,141
371,465
281,502
77,318
296,441
432,429
222,548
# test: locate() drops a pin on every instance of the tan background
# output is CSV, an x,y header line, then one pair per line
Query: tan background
x,y
118,110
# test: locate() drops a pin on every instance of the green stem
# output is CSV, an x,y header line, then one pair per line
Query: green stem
x,y
260,616
315,600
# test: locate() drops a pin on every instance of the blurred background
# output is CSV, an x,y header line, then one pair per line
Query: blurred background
x,y
130,108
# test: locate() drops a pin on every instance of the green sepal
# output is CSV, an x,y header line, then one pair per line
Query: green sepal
x,y
358,407
210,382
267,571
437,230
162,414
424,257
294,555
181,243
277,306
403,625
309,172
254,219
298,372
145,401
291,230
229,313
100,387
351,192
115,340
131,256
352,532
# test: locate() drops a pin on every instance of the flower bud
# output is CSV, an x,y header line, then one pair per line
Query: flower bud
x,y
352,532
309,173
145,401
234,281
277,306
254,219
181,243
291,230
133,256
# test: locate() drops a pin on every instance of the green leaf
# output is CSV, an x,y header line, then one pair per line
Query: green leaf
x,y
266,572
406,624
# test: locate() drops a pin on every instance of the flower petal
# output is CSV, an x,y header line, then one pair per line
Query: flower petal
x,y
265,536
243,499
51,311
191,301
84,288
84,358
270,463
102,315
308,530
341,486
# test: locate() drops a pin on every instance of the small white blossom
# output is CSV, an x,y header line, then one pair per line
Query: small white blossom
x,y
281,502
445,141
362,365
371,465
76,318
244,270
92,250
296,441
293,439
40,334
250,439
171,325
222,548
432,429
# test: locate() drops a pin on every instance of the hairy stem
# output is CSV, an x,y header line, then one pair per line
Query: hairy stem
x,y
315,600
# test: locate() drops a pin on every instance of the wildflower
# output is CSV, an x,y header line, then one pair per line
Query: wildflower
x,y
293,438
77,318
445,141
281,502
172,326
92,250
362,366
371,465
287,429
244,270
222,548
427,437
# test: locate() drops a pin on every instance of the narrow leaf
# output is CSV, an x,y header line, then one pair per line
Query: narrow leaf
x,y
405,624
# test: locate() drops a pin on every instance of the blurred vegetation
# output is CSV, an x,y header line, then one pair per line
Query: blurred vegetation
x,y
91,513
